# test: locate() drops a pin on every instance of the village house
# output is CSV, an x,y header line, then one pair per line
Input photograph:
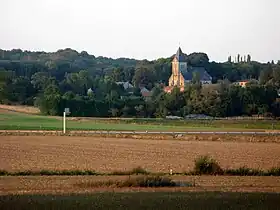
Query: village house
x,y
146,94
242,83
126,85
183,74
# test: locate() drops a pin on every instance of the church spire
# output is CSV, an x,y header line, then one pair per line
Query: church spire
x,y
180,55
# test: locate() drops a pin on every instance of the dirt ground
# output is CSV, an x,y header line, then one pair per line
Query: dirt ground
x,y
22,109
189,137
111,154
68,184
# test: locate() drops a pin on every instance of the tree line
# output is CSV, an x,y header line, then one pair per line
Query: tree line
x,y
87,85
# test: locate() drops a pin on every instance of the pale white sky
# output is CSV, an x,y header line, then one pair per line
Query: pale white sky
x,y
144,29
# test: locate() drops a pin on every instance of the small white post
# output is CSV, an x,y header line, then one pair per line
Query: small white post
x,y
171,172
64,122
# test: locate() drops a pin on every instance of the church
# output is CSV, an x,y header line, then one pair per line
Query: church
x,y
183,74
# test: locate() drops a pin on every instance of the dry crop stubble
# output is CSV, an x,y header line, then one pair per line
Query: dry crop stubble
x,y
115,154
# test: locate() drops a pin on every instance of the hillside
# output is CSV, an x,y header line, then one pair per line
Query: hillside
x,y
87,85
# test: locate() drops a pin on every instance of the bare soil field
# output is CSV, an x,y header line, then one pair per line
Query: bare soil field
x,y
111,154
188,137
69,184
22,109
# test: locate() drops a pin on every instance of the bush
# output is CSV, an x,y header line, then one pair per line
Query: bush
x,y
48,173
149,181
139,170
143,181
3,173
244,171
24,173
273,172
134,171
207,165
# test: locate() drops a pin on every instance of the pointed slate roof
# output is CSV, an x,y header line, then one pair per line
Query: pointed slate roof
x,y
180,56
188,74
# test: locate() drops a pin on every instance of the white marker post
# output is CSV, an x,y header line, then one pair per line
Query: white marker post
x,y
64,122
66,111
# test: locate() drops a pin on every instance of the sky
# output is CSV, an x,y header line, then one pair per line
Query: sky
x,y
144,29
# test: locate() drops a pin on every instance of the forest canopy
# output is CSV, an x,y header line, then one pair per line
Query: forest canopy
x,y
88,85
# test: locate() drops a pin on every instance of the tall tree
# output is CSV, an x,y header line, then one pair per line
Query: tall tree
x,y
50,101
144,76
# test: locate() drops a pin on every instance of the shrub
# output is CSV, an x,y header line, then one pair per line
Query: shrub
x,y
24,173
273,172
148,181
134,171
48,173
244,171
3,173
139,170
207,165
143,181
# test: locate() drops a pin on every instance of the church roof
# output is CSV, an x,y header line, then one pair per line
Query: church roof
x,y
204,76
180,56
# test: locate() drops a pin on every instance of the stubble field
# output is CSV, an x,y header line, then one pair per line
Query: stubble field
x,y
117,154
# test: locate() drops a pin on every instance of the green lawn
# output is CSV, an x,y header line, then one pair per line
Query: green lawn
x,y
19,121
142,200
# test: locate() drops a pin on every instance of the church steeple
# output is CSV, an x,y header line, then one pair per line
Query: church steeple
x,y
180,55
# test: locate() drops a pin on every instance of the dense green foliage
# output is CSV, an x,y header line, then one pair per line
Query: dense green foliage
x,y
144,200
87,85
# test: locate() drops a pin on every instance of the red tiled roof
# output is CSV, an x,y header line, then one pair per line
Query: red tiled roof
x,y
168,88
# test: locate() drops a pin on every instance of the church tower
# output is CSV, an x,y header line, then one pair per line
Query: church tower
x,y
179,64
182,74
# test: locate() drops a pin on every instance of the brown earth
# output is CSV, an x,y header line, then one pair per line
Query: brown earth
x,y
22,109
110,154
268,138
69,184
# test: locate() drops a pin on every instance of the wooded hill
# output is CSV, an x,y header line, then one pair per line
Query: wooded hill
x,y
54,80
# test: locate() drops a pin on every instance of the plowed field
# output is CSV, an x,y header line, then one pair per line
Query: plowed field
x,y
106,154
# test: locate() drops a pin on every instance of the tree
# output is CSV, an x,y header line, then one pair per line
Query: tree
x,y
18,90
118,75
196,78
50,101
198,59
266,75
276,76
276,109
144,76
40,80
229,59
79,82
114,112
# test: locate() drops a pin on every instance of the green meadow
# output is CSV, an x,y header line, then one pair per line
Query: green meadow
x,y
20,121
